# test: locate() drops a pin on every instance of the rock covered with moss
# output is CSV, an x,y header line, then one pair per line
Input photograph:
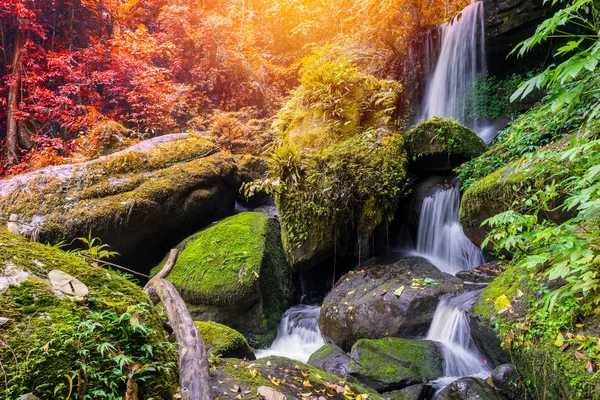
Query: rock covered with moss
x,y
132,199
394,363
235,273
384,298
440,145
547,369
291,379
332,359
222,341
496,192
52,344
338,167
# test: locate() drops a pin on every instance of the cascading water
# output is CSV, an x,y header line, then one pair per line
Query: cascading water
x,y
450,327
440,237
298,334
461,60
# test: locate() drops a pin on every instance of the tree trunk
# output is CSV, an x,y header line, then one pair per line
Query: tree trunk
x,y
193,362
12,131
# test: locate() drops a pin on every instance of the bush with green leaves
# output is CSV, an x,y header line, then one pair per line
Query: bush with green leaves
x,y
555,266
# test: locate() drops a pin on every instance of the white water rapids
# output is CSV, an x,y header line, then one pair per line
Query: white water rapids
x,y
451,328
298,334
440,237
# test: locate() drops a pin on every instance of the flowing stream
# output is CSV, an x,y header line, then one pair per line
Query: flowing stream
x,y
440,237
450,327
450,89
298,334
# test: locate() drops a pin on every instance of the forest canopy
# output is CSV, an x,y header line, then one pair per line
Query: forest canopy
x,y
69,67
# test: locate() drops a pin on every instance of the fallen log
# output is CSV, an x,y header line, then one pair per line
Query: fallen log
x,y
193,362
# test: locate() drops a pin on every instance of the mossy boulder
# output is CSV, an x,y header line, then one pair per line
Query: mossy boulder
x,y
469,389
386,297
293,379
235,273
133,200
440,145
46,336
395,363
414,392
338,166
332,359
547,371
253,168
222,341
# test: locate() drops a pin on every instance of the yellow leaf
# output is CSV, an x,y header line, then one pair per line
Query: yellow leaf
x,y
502,302
307,383
351,292
398,292
306,394
560,340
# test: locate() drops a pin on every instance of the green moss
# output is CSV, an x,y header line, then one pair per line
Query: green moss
x,y
223,341
110,191
391,363
442,135
48,337
338,164
548,371
235,265
282,374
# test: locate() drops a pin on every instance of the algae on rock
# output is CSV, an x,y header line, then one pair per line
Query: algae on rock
x,y
132,199
235,268
223,341
440,145
338,167
49,339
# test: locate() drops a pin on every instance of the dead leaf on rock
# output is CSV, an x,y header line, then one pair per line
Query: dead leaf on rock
x,y
270,394
67,284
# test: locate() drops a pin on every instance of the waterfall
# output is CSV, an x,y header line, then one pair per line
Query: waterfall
x,y
461,59
450,327
440,237
298,334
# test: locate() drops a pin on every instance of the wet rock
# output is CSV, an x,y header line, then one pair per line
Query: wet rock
x,y
133,200
414,392
482,274
395,363
223,341
468,389
332,359
439,145
231,378
235,273
506,378
387,297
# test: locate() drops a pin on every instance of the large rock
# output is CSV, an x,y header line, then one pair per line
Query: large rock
x,y
235,273
384,298
222,341
134,200
332,359
468,389
339,161
414,392
47,335
496,192
278,378
395,363
506,378
439,145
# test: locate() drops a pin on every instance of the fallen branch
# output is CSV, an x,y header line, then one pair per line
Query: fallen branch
x,y
113,265
193,362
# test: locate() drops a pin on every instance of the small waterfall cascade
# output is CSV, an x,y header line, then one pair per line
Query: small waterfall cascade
x,y
461,59
450,327
440,236
298,334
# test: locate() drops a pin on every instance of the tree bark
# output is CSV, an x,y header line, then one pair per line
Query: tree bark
x,y
193,362
12,131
